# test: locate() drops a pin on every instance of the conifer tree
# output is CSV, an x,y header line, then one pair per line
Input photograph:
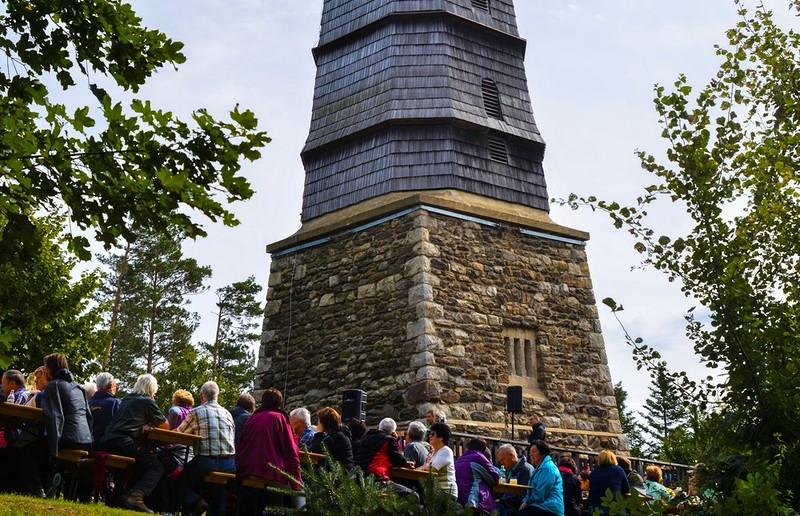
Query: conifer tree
x,y
232,352
154,326
630,425
664,410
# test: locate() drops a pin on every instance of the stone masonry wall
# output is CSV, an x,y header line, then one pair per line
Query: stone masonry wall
x,y
413,312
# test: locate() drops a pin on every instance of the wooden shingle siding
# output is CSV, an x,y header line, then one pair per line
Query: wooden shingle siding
x,y
399,104
413,157
341,17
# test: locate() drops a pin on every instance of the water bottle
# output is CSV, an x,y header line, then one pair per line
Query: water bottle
x,y
502,473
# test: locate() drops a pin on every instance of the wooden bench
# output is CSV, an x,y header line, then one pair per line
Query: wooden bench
x,y
73,458
72,455
218,478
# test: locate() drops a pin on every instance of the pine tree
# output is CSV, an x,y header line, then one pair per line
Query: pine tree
x,y
664,410
232,353
153,326
630,425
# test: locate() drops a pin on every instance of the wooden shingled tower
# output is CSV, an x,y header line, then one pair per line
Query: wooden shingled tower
x,y
427,271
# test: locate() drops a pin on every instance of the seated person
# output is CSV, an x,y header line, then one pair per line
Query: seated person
x,y
476,477
332,438
653,485
379,453
300,419
214,424
517,468
607,475
137,411
546,495
441,462
67,416
416,449
104,404
245,406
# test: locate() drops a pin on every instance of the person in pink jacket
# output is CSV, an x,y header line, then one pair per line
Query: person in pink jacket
x,y
267,449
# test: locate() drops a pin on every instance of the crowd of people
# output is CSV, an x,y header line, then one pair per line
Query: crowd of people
x,y
266,442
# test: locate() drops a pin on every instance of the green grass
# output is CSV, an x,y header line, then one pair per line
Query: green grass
x,y
15,505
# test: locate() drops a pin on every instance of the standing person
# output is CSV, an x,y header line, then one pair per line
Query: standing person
x,y
416,450
137,411
103,404
537,428
440,461
267,449
546,496
607,475
516,468
245,406
300,419
67,416
214,452
332,438
476,477
571,485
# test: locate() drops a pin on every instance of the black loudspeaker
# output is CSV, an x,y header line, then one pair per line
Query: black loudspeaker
x,y
354,405
514,399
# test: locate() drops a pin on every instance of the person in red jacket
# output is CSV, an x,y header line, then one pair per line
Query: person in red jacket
x,y
379,453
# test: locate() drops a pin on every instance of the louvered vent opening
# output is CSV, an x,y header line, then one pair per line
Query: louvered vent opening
x,y
497,149
491,99
483,5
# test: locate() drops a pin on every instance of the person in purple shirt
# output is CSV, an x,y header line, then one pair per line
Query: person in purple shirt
x,y
475,477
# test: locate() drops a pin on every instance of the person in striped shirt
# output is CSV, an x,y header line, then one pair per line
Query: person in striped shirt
x,y
214,452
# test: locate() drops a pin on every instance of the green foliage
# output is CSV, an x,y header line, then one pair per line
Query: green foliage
x,y
630,425
634,505
664,410
42,308
733,167
332,491
154,326
113,167
232,353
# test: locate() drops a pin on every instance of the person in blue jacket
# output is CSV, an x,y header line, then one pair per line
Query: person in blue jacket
x,y
546,497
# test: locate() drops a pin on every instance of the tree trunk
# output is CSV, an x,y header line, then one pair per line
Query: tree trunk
x,y
121,271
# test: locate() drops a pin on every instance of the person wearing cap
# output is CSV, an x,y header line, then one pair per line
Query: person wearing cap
x,y
103,404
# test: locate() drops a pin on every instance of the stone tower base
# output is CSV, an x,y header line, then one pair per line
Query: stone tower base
x,y
441,300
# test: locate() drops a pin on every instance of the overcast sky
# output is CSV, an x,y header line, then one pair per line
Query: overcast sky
x,y
591,68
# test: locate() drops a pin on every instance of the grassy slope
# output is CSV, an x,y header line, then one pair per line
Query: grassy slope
x,y
24,506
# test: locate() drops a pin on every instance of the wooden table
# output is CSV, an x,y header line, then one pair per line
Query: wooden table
x,y
16,416
307,457
421,474
515,489
161,435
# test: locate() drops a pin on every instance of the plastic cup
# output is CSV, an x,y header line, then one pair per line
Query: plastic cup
x,y
512,481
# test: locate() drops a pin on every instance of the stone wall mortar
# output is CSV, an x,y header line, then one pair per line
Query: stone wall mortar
x,y
413,312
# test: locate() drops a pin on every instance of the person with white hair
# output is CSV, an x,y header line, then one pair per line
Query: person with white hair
x,y
104,404
416,450
300,419
379,453
137,410
214,423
